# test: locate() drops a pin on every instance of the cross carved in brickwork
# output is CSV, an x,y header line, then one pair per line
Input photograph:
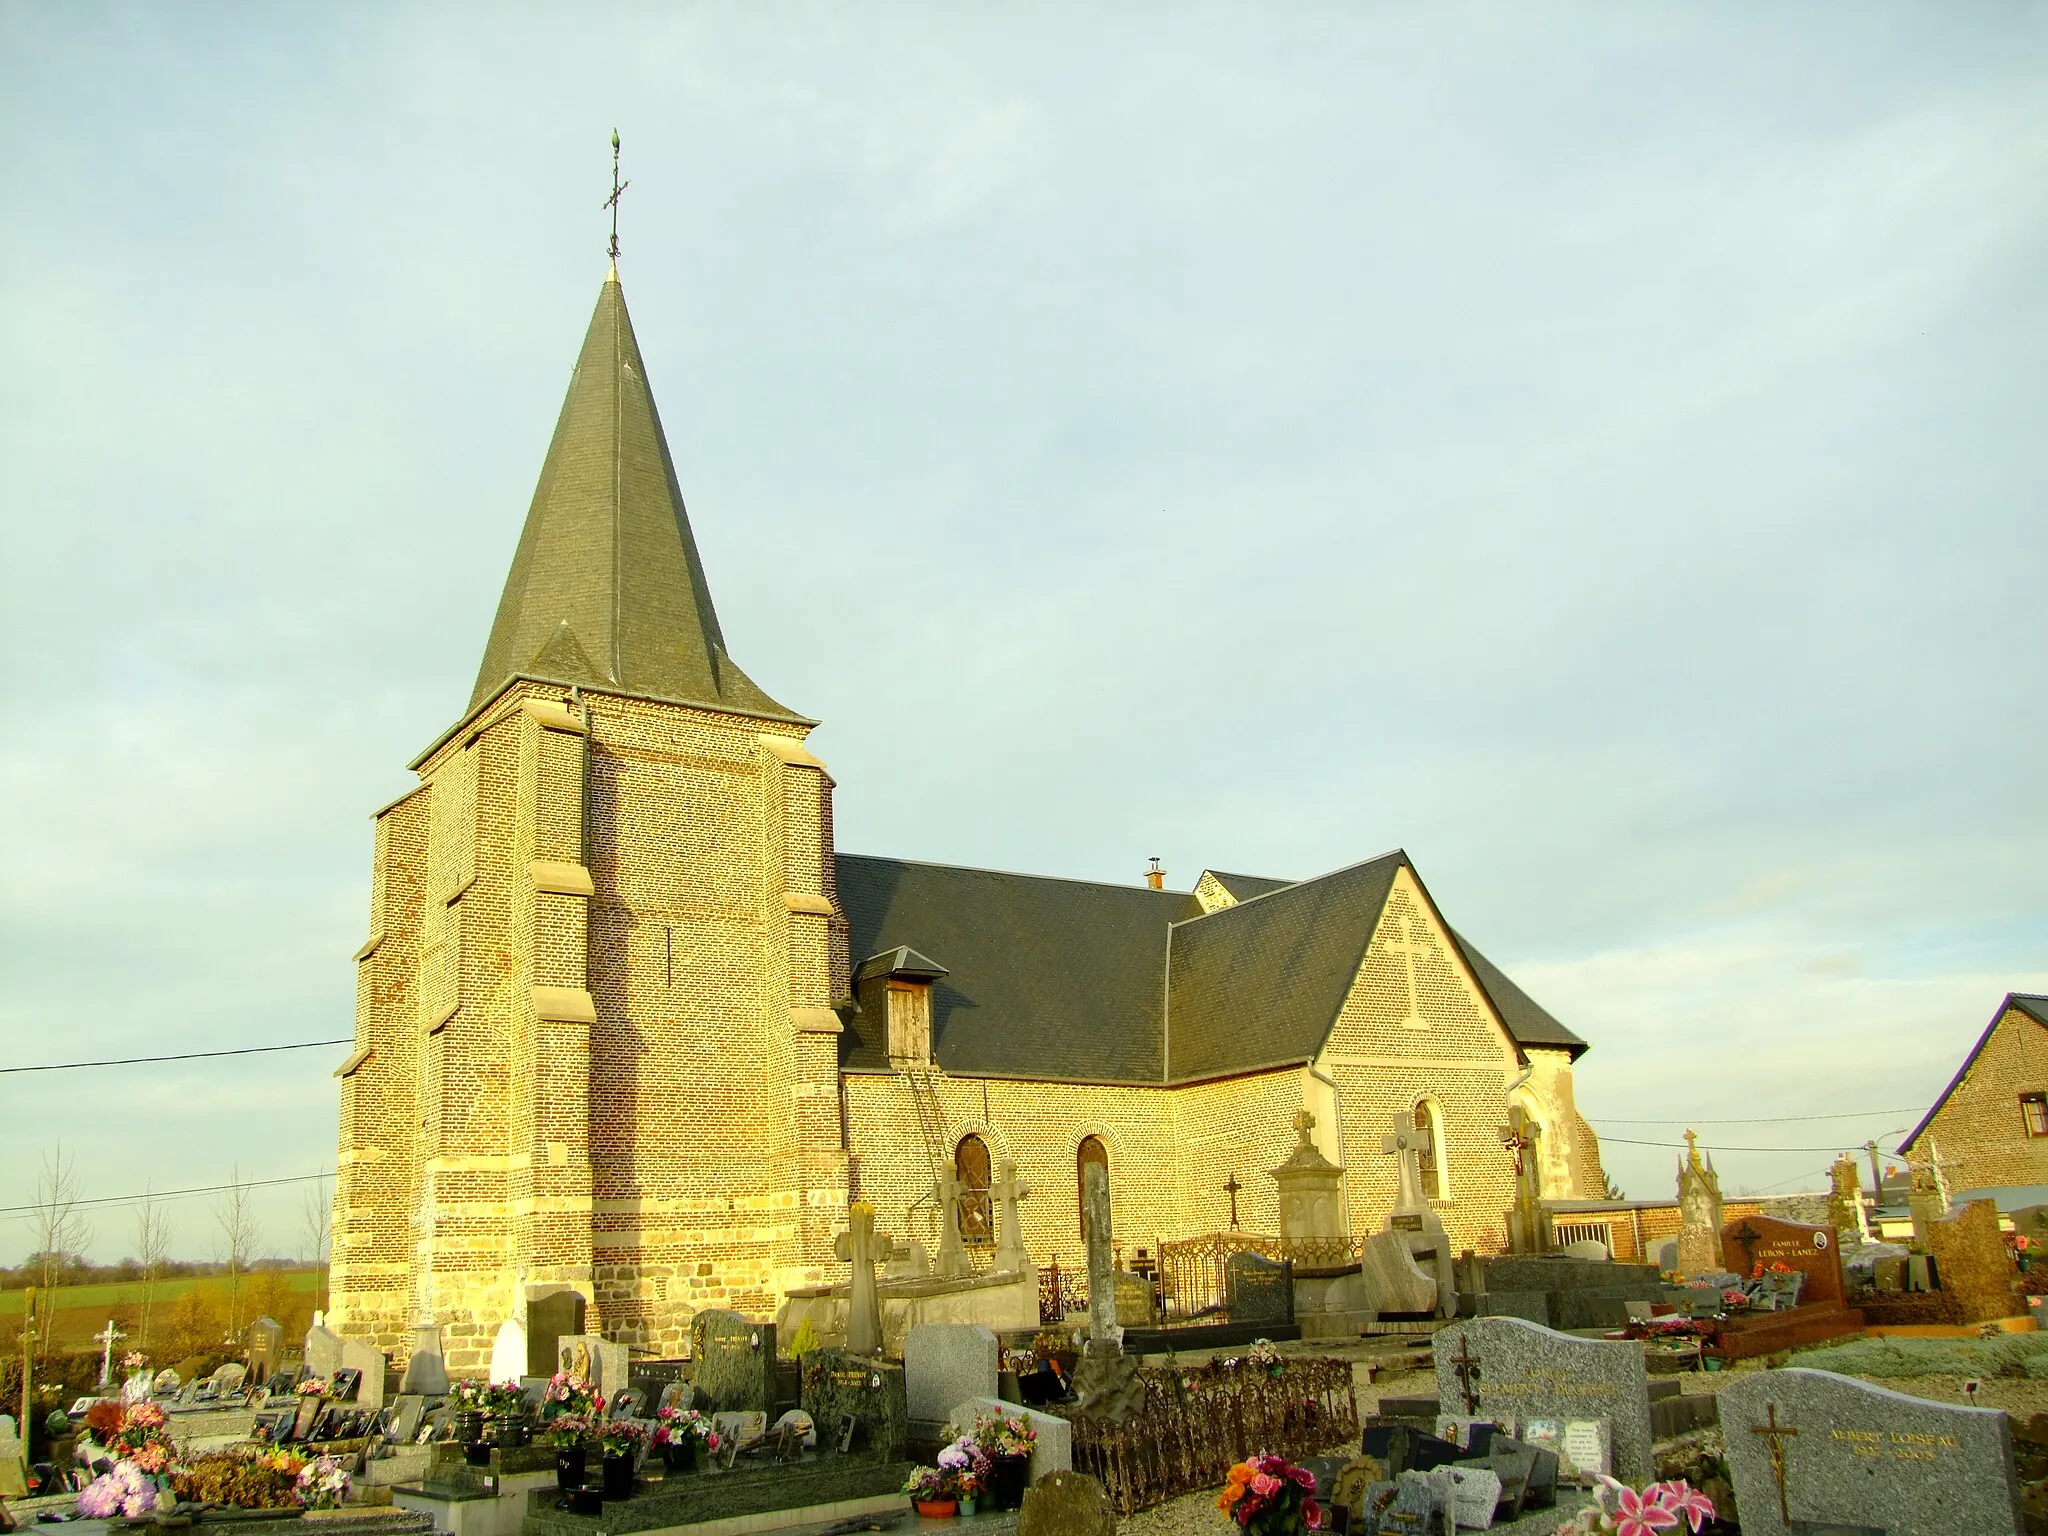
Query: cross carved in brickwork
x,y
1408,949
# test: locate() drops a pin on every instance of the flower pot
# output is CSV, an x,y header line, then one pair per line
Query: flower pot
x,y
1008,1480
585,1501
681,1456
937,1509
618,1477
569,1460
966,1505
477,1455
511,1430
467,1427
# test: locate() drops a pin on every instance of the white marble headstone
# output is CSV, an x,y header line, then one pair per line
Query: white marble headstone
x,y
508,1353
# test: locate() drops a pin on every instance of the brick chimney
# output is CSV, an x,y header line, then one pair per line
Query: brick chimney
x,y
1155,876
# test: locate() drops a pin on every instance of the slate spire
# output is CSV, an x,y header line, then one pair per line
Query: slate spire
x,y
606,588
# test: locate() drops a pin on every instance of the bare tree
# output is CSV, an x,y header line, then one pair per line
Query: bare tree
x,y
152,1246
60,1230
234,1214
316,1214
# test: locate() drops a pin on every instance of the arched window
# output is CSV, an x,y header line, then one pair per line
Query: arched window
x,y
1432,1167
1091,1150
971,1167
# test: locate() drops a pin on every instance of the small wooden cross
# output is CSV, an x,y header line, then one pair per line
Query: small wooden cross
x,y
1775,1438
1231,1187
1466,1364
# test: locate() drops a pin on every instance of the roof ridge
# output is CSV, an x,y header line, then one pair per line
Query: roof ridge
x,y
1014,874
1294,885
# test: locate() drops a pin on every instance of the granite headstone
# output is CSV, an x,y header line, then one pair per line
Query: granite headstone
x,y
735,1362
1505,1367
1261,1290
1812,1251
1066,1504
944,1364
1811,1450
837,1385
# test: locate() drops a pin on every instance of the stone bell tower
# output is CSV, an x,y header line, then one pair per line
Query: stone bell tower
x,y
595,1046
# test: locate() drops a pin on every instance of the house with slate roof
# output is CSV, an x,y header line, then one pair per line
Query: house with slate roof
x,y
630,1025
1988,1128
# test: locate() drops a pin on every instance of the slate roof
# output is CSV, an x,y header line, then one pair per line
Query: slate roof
x,y
606,589
2032,1005
1248,887
1069,980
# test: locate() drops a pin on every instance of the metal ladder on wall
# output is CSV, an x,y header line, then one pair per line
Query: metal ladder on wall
x,y
931,1123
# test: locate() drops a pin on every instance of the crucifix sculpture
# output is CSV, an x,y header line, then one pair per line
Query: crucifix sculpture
x,y
1466,1364
1746,1237
1775,1435
108,1336
1230,1188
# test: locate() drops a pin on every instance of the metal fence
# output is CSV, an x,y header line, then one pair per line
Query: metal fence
x,y
1194,1273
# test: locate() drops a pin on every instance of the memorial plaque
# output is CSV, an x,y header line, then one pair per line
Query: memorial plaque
x,y
1812,1251
1260,1290
1810,1450
1504,1368
1137,1304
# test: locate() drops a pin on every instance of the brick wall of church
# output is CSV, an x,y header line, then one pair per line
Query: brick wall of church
x,y
1981,1129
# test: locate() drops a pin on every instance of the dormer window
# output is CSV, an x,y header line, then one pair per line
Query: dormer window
x,y
894,992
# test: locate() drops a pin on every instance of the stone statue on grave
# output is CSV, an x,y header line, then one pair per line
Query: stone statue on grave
x,y
1010,1257
1699,1212
1106,1380
856,1246
949,1191
1528,1224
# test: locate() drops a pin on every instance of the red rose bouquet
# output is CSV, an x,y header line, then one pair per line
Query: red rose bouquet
x,y
1265,1495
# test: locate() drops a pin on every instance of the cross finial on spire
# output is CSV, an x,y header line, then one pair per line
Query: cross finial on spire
x,y
612,202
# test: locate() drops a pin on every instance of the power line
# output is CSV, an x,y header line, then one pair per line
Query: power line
x,y
172,1194
1679,1146
1855,1114
134,1061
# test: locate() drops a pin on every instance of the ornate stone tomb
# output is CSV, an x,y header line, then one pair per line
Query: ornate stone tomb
x,y
1505,1367
1810,1449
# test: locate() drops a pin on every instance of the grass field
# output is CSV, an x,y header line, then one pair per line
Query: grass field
x,y
83,1310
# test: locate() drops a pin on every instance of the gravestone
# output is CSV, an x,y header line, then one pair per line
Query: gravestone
x,y
265,1349
1813,1251
1260,1290
322,1350
1136,1302
838,1386
1812,1450
426,1372
596,1359
229,1378
550,1319
1505,1367
1976,1271
944,1364
508,1353
1066,1504
1699,1211
405,1418
857,1246
1393,1280
735,1364
371,1363
1052,1448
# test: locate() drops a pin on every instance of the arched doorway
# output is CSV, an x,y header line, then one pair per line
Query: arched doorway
x,y
971,1167
1093,1151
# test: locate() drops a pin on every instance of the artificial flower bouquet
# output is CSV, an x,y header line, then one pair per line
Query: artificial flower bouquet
x,y
244,1477
567,1429
1619,1510
502,1400
929,1485
124,1489
966,1466
323,1483
622,1437
570,1394
679,1426
1000,1435
313,1386
1266,1495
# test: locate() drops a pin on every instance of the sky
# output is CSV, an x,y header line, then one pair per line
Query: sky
x,y
1597,449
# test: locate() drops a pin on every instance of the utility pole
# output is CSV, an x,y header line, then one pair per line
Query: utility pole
x,y
1876,1177
28,1370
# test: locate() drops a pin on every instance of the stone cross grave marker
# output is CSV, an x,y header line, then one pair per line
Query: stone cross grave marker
x,y
949,1191
944,1364
1505,1367
1812,1251
1402,1146
1260,1290
856,1246
1011,1257
1812,1450
1102,1328
109,1336
735,1368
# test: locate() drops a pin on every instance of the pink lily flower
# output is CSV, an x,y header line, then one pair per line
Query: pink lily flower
x,y
1642,1514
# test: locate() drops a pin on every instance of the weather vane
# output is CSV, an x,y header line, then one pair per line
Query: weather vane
x,y
612,202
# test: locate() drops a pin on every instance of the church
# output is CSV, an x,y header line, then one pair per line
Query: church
x,y
629,1025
